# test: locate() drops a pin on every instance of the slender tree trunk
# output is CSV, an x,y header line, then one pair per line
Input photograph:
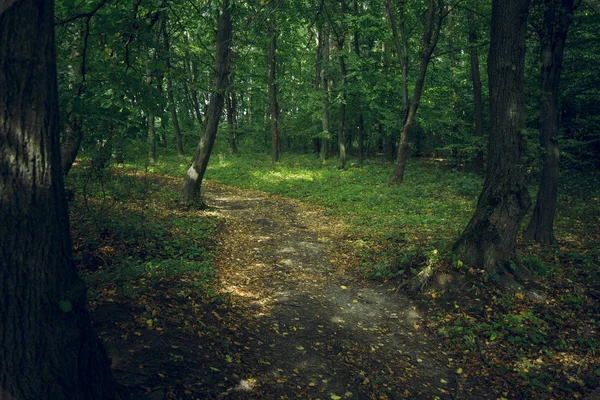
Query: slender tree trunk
x,y
231,121
73,131
343,73
71,141
490,237
195,172
401,45
477,163
194,93
361,124
47,346
326,93
557,19
174,119
273,86
430,39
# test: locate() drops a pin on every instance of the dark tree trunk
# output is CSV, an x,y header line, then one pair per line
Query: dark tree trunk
x,y
151,127
557,19
430,39
47,345
343,73
174,120
477,163
401,45
72,134
326,87
71,141
195,172
273,86
361,124
490,237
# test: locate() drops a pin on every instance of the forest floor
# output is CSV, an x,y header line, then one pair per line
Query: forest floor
x,y
293,318
264,296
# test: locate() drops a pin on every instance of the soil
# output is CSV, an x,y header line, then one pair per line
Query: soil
x,y
294,319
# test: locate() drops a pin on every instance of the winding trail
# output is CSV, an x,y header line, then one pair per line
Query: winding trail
x,y
311,327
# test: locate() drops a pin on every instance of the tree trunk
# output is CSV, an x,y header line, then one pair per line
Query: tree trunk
x,y
151,128
430,39
343,73
71,141
174,120
273,86
73,131
361,124
557,19
231,121
490,237
47,345
401,45
477,163
195,172
326,87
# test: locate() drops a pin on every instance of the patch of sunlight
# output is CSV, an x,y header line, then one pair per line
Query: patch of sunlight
x,y
287,175
221,164
240,292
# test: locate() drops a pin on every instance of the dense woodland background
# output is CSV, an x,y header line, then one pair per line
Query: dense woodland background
x,y
377,112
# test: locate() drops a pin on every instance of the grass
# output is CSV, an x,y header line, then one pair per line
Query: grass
x,y
391,222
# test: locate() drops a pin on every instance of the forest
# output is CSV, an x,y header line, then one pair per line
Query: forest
x,y
302,199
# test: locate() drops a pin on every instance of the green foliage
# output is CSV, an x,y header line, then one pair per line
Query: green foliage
x,y
127,234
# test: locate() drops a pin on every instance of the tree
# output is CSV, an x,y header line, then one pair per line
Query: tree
x,y
557,18
48,347
195,172
172,106
273,83
341,37
490,237
431,36
477,162
326,89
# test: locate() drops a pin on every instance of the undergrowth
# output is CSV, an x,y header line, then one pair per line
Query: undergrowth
x,y
524,346
129,234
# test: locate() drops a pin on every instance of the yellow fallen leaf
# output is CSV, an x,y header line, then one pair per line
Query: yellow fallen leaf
x,y
343,287
459,371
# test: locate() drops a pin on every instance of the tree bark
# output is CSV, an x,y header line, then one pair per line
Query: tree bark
x,y
343,73
401,45
430,39
557,19
195,172
361,124
326,88
489,239
273,85
47,345
477,163
174,119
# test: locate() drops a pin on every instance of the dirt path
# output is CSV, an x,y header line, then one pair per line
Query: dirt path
x,y
306,325
293,319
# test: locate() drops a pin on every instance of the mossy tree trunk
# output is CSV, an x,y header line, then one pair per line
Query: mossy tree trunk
x,y
47,345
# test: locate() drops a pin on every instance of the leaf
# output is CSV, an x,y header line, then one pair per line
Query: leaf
x,y
65,305
335,396
459,371
344,287
493,336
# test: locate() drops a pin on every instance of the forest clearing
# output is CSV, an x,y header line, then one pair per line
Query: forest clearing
x,y
303,199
